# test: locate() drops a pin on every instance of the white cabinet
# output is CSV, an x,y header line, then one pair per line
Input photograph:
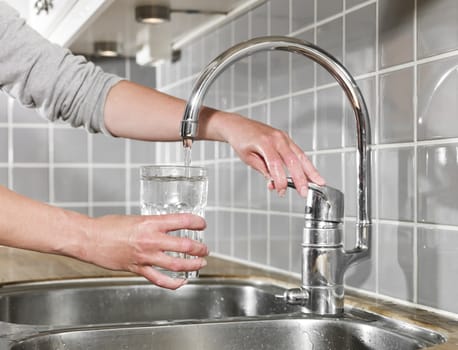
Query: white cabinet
x,y
67,17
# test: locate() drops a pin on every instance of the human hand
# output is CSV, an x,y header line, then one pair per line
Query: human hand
x,y
138,243
271,152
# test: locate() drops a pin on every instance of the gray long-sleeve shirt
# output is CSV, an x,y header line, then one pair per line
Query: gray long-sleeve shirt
x,y
48,77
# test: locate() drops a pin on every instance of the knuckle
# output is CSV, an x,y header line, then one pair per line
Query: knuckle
x,y
291,159
185,220
281,136
176,265
265,138
186,245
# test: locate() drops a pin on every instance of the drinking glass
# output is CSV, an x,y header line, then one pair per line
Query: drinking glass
x,y
170,189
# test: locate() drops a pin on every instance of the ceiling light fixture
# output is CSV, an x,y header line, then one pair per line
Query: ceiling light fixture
x,y
154,14
106,48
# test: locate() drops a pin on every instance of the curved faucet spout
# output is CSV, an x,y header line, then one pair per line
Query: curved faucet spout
x,y
339,72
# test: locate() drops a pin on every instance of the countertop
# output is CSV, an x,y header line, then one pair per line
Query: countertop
x,y
26,266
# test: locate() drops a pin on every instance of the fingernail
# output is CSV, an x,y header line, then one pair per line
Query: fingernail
x,y
282,193
204,263
304,191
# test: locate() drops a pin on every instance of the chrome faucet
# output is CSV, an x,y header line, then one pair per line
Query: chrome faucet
x,y
324,260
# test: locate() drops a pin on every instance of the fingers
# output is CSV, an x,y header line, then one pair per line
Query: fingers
x,y
286,157
285,153
274,162
177,264
297,173
278,175
160,279
183,245
307,166
174,222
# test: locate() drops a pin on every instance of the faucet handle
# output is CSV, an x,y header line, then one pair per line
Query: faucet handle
x,y
323,203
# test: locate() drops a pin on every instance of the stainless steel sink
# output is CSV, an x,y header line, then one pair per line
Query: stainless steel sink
x,y
289,333
208,313
111,301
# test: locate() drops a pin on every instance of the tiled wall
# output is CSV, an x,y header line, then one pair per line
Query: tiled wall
x,y
404,55
52,162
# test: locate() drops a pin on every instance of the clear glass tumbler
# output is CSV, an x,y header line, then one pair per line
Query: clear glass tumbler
x,y
169,189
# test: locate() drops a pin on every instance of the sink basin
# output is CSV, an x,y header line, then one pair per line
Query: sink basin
x,y
288,333
208,313
117,301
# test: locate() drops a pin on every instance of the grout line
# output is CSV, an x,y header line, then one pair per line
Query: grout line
x,y
217,186
10,143
217,176
94,204
415,160
249,170
444,313
268,105
315,95
76,165
290,129
51,164
331,18
343,101
90,166
409,144
375,178
231,163
391,69
127,143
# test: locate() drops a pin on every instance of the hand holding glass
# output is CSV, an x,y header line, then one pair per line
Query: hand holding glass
x,y
170,189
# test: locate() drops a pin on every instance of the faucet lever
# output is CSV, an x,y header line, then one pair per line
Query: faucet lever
x,y
323,203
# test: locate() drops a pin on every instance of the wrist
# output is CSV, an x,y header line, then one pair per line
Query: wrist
x,y
215,125
73,241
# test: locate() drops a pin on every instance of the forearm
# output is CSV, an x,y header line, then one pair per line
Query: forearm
x,y
45,76
28,224
137,112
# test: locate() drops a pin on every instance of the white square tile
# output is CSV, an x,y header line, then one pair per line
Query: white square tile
x,y
396,32
437,102
437,263
397,106
360,40
437,27
437,189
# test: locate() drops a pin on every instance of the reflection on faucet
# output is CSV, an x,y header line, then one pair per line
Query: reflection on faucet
x,y
324,260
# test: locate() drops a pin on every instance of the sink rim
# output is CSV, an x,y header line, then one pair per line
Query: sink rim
x,y
17,298
428,337
263,282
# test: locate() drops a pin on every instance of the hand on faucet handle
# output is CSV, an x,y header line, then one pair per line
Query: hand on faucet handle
x,y
271,152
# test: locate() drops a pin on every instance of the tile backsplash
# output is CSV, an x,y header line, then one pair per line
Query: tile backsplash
x,y
91,173
404,56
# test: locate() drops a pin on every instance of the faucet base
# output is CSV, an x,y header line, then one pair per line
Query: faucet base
x,y
324,300
317,300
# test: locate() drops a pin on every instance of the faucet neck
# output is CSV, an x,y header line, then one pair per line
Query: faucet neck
x,y
323,256
334,67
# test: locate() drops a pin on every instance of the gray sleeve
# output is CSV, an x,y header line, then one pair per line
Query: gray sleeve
x,y
48,77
